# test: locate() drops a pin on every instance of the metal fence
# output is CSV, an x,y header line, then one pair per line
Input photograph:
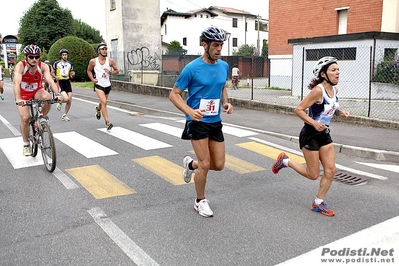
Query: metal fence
x,y
368,87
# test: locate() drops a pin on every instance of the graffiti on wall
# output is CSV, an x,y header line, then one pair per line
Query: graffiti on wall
x,y
143,57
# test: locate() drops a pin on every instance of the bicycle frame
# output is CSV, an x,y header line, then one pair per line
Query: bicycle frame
x,y
40,133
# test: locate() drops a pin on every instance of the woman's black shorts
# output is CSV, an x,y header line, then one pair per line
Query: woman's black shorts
x,y
311,139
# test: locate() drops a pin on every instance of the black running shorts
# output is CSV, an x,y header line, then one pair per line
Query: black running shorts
x,y
106,90
200,130
65,85
311,139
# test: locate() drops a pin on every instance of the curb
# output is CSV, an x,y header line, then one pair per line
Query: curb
x,y
379,155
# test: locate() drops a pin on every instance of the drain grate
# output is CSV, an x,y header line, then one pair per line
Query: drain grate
x,y
349,179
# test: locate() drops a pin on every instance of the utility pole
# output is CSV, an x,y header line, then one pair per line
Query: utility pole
x,y
258,42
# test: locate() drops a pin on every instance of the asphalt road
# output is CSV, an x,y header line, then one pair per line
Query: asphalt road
x,y
117,198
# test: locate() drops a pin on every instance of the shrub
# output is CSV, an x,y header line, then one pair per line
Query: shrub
x,y
387,72
80,53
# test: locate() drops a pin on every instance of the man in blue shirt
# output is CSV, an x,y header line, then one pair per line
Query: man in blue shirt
x,y
205,79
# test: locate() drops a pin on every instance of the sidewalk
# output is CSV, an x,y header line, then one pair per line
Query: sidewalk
x,y
369,142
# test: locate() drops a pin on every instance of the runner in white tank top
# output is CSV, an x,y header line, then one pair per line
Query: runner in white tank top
x,y
103,67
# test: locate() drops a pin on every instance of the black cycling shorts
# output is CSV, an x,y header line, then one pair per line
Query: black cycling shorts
x,y
311,139
200,130
65,85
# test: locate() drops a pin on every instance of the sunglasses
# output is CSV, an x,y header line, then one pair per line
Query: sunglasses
x,y
34,57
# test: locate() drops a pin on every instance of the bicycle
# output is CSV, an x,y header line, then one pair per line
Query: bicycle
x,y
41,135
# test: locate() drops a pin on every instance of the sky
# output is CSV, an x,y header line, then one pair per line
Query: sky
x,y
92,12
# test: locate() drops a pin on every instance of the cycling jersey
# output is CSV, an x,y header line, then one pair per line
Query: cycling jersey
x,y
31,82
62,69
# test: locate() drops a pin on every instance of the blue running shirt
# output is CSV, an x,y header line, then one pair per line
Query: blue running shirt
x,y
204,82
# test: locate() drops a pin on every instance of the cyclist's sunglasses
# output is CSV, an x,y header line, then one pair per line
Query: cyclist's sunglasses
x,y
34,57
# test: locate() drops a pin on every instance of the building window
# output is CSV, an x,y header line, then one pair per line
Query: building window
x,y
185,41
390,54
339,53
166,29
234,23
201,15
342,19
113,5
235,41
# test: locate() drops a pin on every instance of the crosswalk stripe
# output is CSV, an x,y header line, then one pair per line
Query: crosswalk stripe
x,y
165,169
137,139
12,148
171,130
84,145
235,131
269,151
99,182
240,166
238,132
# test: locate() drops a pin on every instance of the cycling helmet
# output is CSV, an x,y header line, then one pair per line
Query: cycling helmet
x,y
63,50
32,49
47,62
213,34
325,61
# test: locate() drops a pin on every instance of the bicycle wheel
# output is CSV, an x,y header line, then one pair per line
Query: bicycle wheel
x,y
47,147
33,142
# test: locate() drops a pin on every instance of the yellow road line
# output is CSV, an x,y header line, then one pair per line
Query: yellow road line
x,y
240,166
165,169
99,182
269,151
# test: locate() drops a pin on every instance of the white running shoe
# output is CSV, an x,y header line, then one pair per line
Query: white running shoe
x,y
187,172
203,208
26,151
65,118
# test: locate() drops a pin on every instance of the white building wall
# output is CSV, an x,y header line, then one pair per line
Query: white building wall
x,y
191,28
354,74
390,16
134,27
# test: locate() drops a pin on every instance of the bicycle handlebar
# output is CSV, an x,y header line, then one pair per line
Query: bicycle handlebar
x,y
32,102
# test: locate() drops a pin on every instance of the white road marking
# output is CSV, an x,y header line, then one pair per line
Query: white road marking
x,y
341,167
131,249
384,235
64,179
388,167
84,145
174,131
12,148
137,139
232,130
10,127
108,106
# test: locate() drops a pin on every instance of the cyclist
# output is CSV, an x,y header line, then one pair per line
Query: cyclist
x,y
63,70
28,76
46,84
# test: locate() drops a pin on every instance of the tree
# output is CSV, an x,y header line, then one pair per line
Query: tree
x,y
265,49
44,23
79,53
86,32
245,50
174,48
